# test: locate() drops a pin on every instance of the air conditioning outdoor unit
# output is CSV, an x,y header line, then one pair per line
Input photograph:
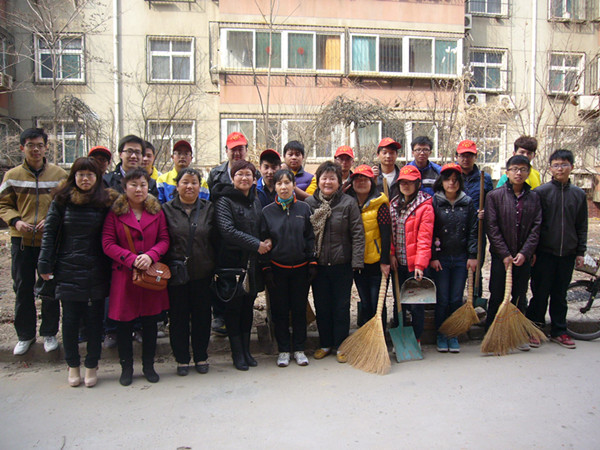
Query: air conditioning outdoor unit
x,y
475,99
5,82
468,22
589,103
506,102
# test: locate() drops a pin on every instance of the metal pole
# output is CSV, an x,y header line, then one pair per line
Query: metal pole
x,y
532,114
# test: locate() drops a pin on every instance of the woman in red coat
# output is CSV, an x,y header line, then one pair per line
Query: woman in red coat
x,y
412,231
142,214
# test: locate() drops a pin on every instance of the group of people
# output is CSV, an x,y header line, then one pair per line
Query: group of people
x,y
278,229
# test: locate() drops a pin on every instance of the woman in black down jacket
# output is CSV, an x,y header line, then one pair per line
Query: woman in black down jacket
x,y
190,301
454,247
237,213
72,252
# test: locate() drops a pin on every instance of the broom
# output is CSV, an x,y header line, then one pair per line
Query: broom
x,y
461,320
366,349
510,327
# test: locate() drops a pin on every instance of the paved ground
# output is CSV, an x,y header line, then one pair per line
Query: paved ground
x,y
547,398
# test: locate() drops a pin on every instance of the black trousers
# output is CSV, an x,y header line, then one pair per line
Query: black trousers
x,y
239,314
520,280
24,265
125,344
92,313
550,278
289,294
190,305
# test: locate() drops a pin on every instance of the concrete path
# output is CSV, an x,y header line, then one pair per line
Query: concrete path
x,y
547,398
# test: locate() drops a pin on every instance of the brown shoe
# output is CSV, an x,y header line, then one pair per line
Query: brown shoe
x,y
74,377
321,353
341,357
91,378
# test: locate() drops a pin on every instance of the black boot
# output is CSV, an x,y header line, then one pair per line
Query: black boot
x,y
126,373
237,352
246,349
150,373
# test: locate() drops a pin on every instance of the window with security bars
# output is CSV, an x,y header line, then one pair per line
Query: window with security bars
x,y
433,56
486,7
305,132
566,73
376,54
70,139
171,59
567,9
491,143
164,134
62,60
488,68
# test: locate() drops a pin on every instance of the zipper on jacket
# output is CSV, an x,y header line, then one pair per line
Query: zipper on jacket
x,y
562,218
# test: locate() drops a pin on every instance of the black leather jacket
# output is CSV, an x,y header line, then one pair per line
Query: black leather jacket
x,y
218,175
455,227
113,180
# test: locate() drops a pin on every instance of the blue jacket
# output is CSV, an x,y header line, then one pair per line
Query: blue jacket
x,y
428,176
472,185
167,186
265,196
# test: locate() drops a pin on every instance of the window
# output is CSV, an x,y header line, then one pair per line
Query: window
x,y
63,59
566,73
71,140
491,143
305,132
245,126
487,7
415,129
171,59
566,10
489,70
247,49
437,56
563,137
164,134
376,54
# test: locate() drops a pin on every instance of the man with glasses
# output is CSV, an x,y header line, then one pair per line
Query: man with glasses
x,y
525,146
421,149
513,215
131,152
236,147
563,239
25,196
182,158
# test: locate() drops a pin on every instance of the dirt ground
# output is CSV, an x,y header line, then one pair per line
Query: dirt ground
x,y
7,296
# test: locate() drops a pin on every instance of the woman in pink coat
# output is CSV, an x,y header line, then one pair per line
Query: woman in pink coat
x,y
142,214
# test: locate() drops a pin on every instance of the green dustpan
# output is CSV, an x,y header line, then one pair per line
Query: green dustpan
x,y
406,346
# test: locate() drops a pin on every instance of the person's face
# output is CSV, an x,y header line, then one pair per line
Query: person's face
x,y
182,158
466,161
267,171
243,180
284,188
517,174
561,170
451,185
387,156
421,154
294,159
102,162
136,191
524,152
131,156
34,150
345,161
236,153
148,159
188,188
328,183
85,179
407,187
361,184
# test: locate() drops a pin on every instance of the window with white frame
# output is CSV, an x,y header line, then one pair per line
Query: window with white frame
x,y
566,9
305,132
433,56
376,54
245,126
416,129
369,136
164,133
70,139
62,60
491,143
488,7
295,50
489,69
566,73
170,59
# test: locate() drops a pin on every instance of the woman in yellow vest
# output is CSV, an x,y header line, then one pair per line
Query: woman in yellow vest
x,y
375,213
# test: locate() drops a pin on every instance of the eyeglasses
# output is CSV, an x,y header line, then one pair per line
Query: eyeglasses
x,y
183,154
243,175
421,150
31,146
133,152
89,176
561,166
519,169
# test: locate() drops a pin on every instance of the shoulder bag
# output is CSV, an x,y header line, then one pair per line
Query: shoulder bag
x,y
154,277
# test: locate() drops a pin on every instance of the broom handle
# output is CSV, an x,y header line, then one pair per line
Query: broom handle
x,y
470,288
386,191
382,294
480,229
508,285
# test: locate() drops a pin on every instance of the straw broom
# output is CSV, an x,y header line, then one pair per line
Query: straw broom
x,y
366,348
510,327
461,320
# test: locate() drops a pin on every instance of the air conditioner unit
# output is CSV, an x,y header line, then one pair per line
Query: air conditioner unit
x,y
475,99
468,22
506,102
5,82
589,103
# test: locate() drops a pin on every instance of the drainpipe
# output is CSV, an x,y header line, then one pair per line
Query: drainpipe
x,y
533,67
118,128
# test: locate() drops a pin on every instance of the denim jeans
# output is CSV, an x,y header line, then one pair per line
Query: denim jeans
x,y
368,281
450,286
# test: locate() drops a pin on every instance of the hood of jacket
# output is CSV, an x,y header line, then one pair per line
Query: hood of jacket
x,y
121,205
460,200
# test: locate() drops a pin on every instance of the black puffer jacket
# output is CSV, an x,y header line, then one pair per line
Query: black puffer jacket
x,y
238,221
80,267
202,260
455,227
113,180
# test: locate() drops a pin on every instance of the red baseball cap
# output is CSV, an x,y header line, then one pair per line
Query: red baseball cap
x,y
466,146
451,166
389,142
269,151
236,138
410,173
102,150
364,170
344,150
183,143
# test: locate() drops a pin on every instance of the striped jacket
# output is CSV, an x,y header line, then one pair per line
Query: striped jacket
x,y
27,196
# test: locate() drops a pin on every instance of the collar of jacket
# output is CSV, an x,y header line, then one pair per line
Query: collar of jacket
x,y
229,191
30,169
125,215
441,196
560,185
178,204
334,198
509,187
430,165
474,173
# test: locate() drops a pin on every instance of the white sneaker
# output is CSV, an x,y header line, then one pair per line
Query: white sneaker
x,y
22,347
283,360
301,358
50,343
524,347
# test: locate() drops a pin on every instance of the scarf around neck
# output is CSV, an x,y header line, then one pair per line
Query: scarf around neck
x,y
319,219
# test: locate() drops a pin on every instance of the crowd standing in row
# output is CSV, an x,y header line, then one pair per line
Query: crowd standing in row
x,y
229,237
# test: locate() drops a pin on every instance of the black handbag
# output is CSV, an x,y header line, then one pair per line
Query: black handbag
x,y
229,283
179,269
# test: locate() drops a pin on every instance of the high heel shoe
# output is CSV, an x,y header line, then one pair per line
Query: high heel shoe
x,y
74,377
91,378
